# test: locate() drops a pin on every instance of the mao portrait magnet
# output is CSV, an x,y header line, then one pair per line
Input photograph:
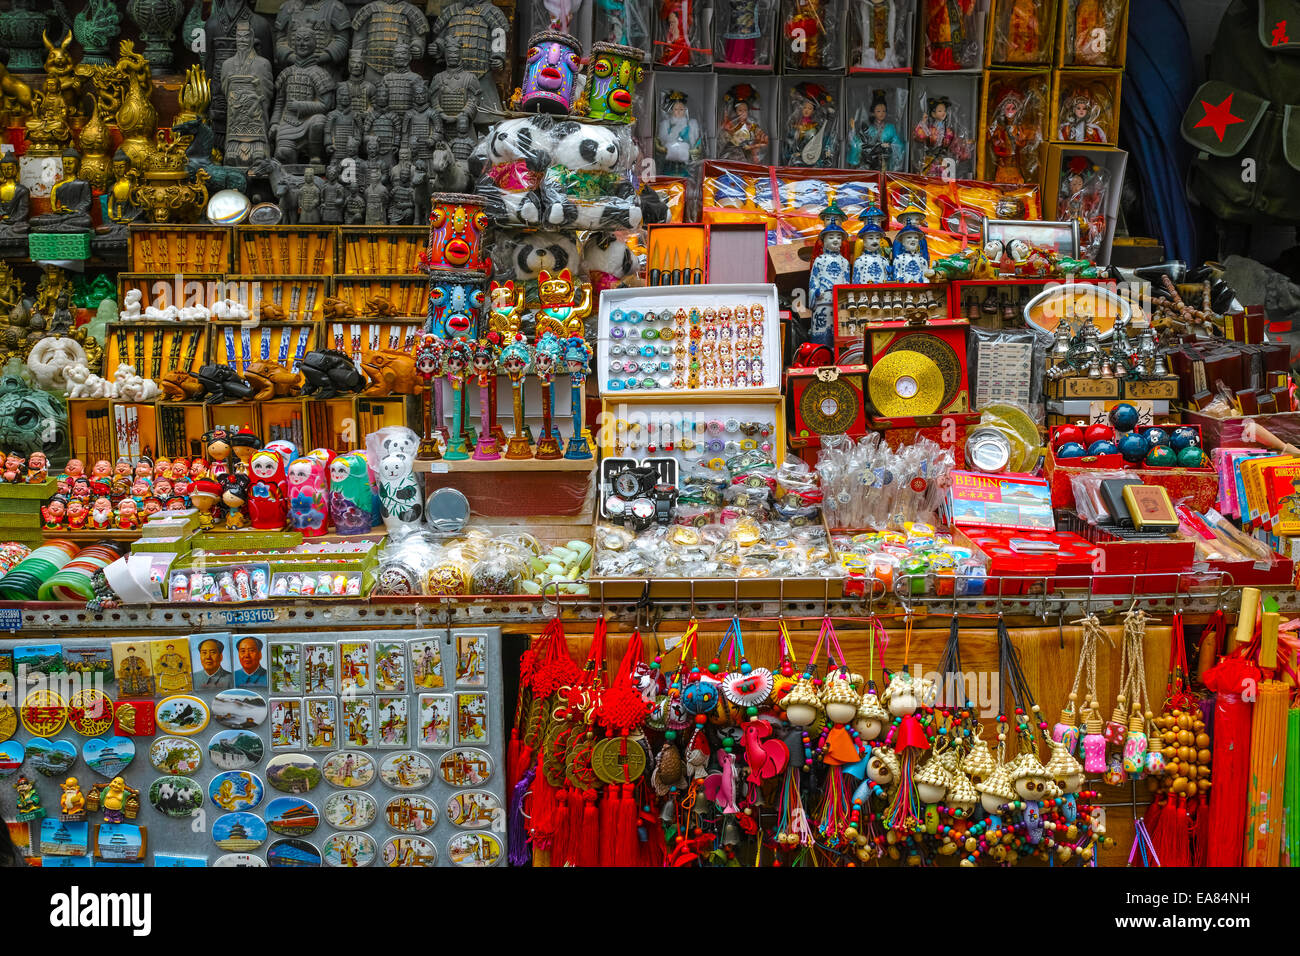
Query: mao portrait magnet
x,y
210,656
134,718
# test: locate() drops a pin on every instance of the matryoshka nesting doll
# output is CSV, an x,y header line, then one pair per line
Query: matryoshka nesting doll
x,y
306,484
268,503
354,495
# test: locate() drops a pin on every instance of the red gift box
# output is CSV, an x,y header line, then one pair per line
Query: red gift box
x,y
1199,486
1074,556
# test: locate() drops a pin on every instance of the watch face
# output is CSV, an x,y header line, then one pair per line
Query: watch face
x,y
643,508
626,484
614,505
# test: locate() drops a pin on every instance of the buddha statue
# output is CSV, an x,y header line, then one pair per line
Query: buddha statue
x,y
70,200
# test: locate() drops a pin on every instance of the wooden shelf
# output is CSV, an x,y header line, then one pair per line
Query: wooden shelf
x,y
445,467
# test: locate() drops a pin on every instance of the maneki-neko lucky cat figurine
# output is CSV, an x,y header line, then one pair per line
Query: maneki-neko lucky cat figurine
x,y
565,304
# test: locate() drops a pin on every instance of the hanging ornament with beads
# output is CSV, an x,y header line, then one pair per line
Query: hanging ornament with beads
x,y
909,737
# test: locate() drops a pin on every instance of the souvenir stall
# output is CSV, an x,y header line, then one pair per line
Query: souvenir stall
x,y
623,434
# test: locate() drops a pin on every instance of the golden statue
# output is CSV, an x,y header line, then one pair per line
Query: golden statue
x,y
48,130
60,67
96,142
166,190
120,207
54,283
194,97
136,116
11,290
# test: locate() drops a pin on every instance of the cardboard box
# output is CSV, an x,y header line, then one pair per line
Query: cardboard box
x,y
1035,85
998,45
975,28
1103,88
1113,39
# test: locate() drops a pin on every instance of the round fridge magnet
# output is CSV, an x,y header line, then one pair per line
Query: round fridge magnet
x,y
292,816
239,832
233,790
90,713
182,714
406,770
292,853
178,797
349,768
235,749
465,767
411,813
293,773
409,851
239,709
475,810
240,859
349,849
175,755
474,849
348,810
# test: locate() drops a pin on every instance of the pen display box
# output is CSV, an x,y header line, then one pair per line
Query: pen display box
x,y
380,250
285,250
285,298
180,249
154,348
395,295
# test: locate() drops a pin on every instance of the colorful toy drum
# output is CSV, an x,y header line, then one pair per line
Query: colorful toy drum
x,y
612,78
550,73
457,227
456,302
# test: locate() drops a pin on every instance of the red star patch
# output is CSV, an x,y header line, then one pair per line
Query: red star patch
x,y
1219,117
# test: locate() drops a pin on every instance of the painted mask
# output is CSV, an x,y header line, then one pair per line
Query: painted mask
x,y
550,73
615,72
457,226
456,303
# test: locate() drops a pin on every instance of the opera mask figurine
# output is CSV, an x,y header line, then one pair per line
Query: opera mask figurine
x,y
457,225
456,303
550,73
612,80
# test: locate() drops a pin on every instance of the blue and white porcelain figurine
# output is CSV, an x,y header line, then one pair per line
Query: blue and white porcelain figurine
x,y
829,269
911,252
873,265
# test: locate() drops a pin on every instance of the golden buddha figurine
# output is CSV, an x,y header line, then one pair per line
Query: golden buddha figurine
x,y
48,130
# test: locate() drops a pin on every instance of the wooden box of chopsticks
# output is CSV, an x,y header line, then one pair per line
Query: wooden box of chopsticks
x,y
284,298
180,248
384,295
237,343
380,250
154,348
285,250
371,333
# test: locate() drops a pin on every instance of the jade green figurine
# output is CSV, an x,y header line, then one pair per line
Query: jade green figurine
x,y
96,28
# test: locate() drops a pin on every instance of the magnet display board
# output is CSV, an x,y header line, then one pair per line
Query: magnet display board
x,y
281,749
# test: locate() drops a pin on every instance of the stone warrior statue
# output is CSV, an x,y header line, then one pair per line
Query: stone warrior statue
x,y
456,96
303,96
344,129
329,23
401,82
478,28
380,26
220,28
249,89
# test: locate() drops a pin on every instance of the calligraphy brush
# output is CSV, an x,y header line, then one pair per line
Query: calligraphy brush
x,y
697,274
654,267
676,272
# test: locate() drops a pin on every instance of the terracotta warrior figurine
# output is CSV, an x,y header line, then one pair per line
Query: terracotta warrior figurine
x,y
344,130
401,82
456,96
246,81
330,25
304,94
473,25
380,26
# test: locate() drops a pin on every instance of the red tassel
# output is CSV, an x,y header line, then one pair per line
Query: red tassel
x,y
560,844
608,825
1171,836
574,844
514,761
541,810
588,842
1201,835
626,844
1231,760
1152,817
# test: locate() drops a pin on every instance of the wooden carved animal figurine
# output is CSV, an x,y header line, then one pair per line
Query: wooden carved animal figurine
x,y
390,373
273,313
378,305
178,386
272,380
336,308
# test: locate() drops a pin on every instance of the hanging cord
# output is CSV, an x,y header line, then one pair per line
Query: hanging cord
x,y
1085,674
1135,629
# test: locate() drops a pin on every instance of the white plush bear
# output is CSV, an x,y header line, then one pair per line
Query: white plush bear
x,y
523,256
607,259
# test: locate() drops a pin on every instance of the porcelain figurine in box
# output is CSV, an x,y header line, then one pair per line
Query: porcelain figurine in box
x,y
873,264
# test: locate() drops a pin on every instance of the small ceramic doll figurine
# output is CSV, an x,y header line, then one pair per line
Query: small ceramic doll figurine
x,y
740,136
305,483
943,144
911,251
144,469
484,367
77,515
401,501
268,503
829,268
162,468
38,467
15,469
27,800
54,513
546,358
1013,139
742,30
577,361
810,138
515,360
1078,120
150,506
72,803
949,42
205,495
101,471
354,495
873,264
141,488
459,359
429,353
876,22
874,142
128,514
1082,197
679,141
101,514
75,468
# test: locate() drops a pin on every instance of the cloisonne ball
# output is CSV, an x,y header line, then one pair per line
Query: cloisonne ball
x,y
1124,417
1133,447
1162,456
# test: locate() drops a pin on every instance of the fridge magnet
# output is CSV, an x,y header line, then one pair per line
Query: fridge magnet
x,y
346,810
27,801
90,712
51,758
120,841
319,670
292,816
475,810
349,849
108,756
349,768
43,713
88,661
64,837
359,722
239,709
233,790
174,860
322,722
239,859
426,663
7,660
390,667
435,721
249,670
116,799
471,660
12,755
178,797
293,773
183,715
31,662
286,668
406,770
8,721
134,718
292,853
235,749
411,813
286,722
474,849
211,656
132,668
465,767
354,667
238,832
175,756
393,722
471,718
409,851
72,803
170,658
